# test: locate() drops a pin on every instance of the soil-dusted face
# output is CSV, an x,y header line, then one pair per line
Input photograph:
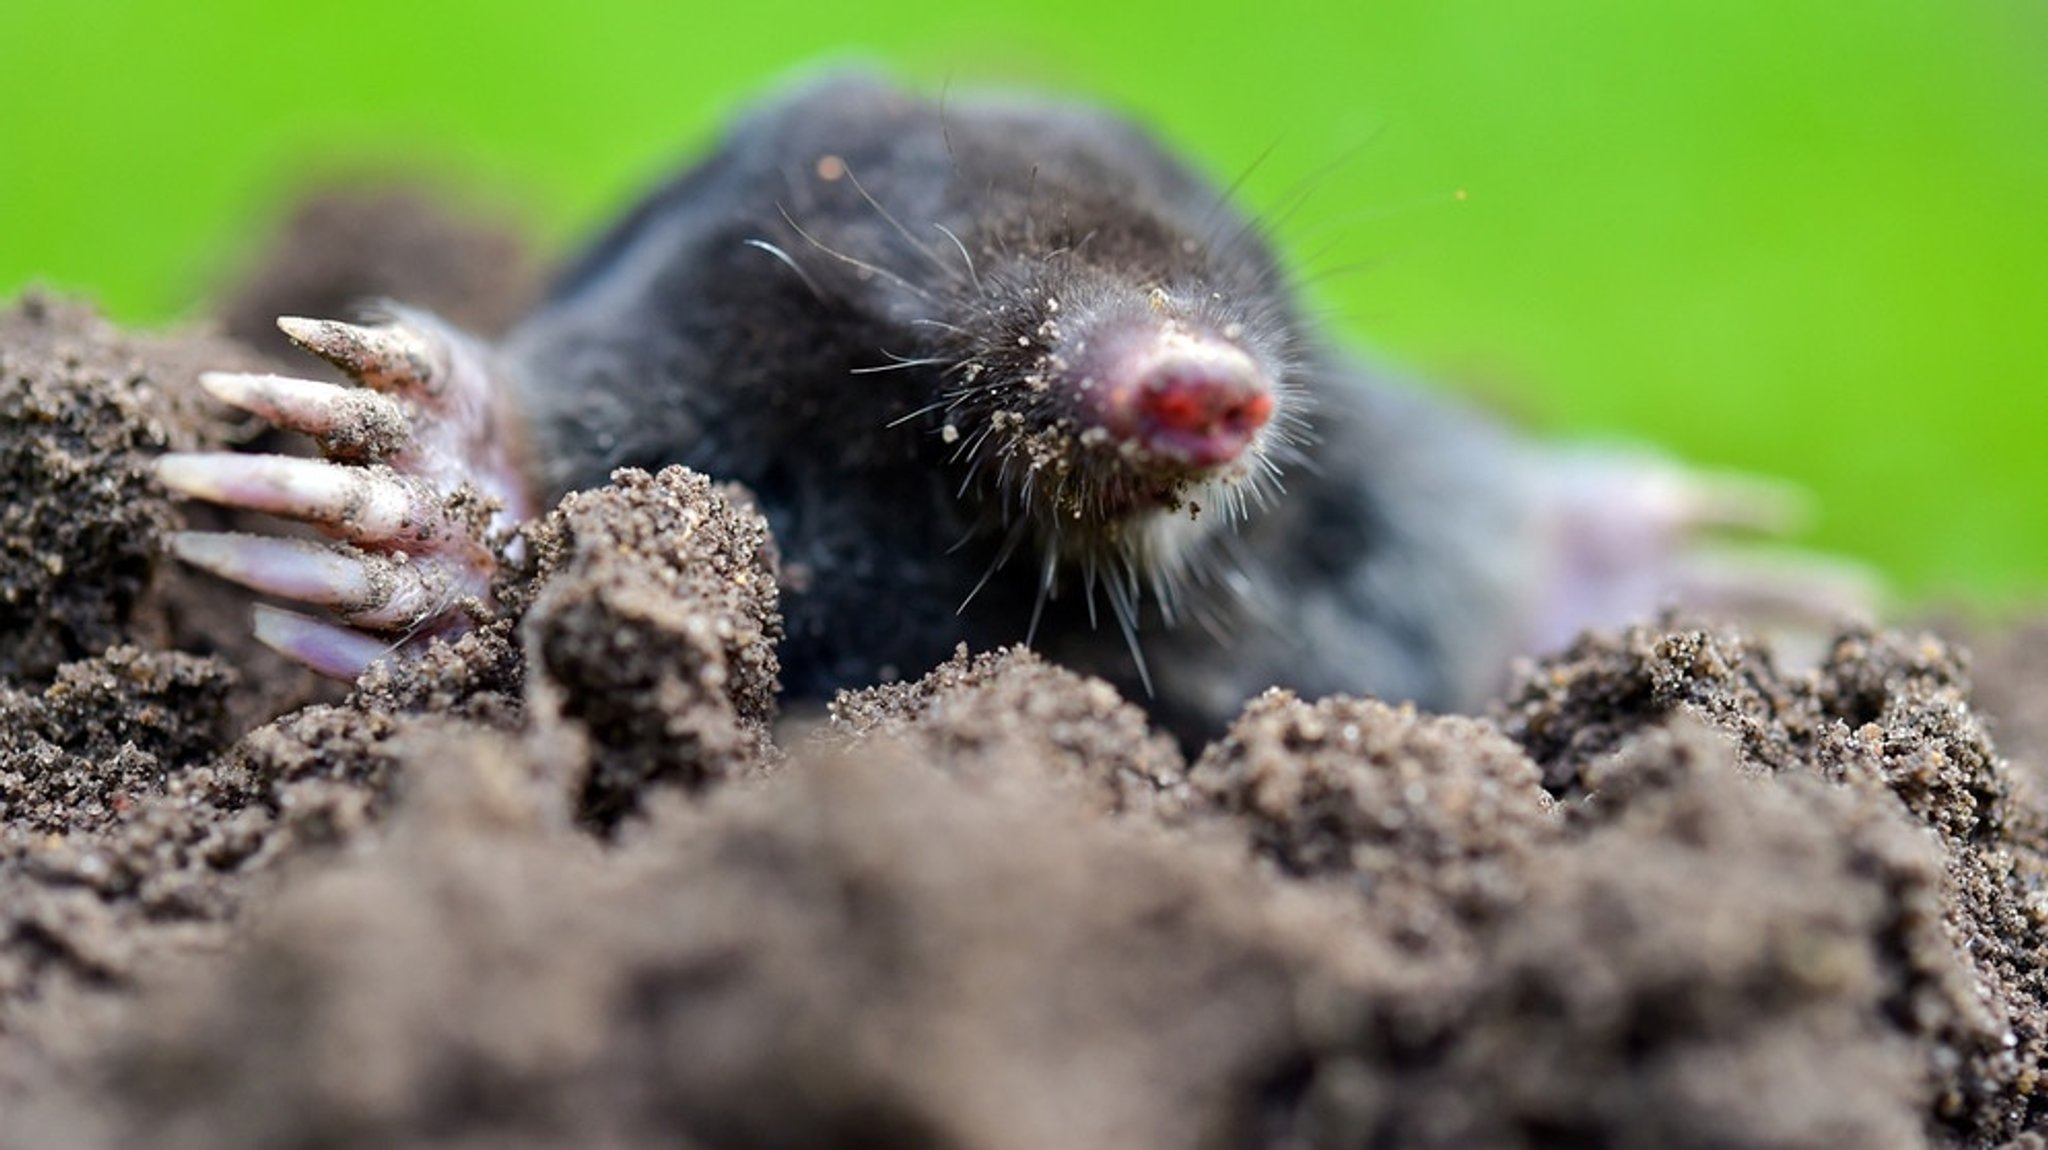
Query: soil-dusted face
x,y
1095,357
1116,398
1116,413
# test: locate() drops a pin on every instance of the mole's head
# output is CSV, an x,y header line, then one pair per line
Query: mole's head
x,y
1098,403
1102,352
1120,377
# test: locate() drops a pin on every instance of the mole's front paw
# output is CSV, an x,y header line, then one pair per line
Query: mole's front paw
x,y
1634,533
419,484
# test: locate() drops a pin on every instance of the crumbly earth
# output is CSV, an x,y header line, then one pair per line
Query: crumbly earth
x,y
567,882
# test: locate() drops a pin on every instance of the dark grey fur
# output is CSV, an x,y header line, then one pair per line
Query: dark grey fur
x,y
1387,567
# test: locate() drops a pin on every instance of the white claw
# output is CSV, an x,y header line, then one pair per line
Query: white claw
x,y
1650,492
288,568
1717,500
335,652
364,589
360,504
348,420
391,358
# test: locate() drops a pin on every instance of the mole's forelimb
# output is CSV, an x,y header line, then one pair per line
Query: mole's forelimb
x,y
419,483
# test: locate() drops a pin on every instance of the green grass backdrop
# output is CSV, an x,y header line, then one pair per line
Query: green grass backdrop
x,y
1805,238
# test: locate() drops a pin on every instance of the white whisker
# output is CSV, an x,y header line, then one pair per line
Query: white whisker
x,y
851,261
912,240
965,258
788,261
1047,570
1003,554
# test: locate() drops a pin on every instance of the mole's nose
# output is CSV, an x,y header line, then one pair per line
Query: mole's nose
x,y
1199,413
1182,395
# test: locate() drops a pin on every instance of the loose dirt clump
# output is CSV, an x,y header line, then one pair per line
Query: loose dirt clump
x,y
1886,720
83,409
653,630
1009,713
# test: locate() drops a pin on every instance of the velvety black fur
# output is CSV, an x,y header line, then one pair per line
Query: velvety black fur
x,y
795,314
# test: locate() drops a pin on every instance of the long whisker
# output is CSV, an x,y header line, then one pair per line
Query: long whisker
x,y
1228,195
912,240
965,258
1123,604
1046,571
927,409
1003,553
1070,249
1269,223
941,325
898,365
790,262
851,261
1165,581
946,124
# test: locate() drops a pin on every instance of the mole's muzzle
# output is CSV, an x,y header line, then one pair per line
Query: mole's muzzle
x,y
1175,393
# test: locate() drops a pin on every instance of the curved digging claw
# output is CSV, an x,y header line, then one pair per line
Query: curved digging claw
x,y
418,482
331,650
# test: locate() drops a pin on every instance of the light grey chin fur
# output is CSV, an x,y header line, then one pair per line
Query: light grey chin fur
x,y
1166,553
1168,540
1163,553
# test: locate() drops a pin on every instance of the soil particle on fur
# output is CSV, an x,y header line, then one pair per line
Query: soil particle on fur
x,y
561,882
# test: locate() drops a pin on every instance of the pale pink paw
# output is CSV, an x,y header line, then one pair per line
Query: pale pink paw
x,y
419,485
1633,533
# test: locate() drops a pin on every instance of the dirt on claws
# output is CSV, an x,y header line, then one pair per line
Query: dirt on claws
x,y
418,482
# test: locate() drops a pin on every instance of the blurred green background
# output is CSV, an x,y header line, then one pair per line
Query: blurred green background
x,y
1804,239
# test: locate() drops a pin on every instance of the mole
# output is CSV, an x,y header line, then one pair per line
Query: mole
x,y
997,369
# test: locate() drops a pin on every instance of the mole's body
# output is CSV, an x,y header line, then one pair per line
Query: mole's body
x,y
1008,355
678,340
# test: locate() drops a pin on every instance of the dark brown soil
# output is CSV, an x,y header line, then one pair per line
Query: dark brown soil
x,y
566,884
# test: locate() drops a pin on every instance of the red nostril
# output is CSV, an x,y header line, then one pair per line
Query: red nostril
x,y
1181,395
1178,404
1204,417
1252,413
